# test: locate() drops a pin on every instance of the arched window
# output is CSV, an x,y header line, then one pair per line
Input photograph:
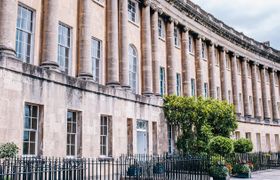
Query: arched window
x,y
132,55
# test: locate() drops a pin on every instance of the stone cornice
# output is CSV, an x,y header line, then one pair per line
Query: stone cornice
x,y
207,20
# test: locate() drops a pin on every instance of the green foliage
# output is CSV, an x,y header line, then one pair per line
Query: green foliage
x,y
243,145
221,145
8,150
218,171
199,120
241,169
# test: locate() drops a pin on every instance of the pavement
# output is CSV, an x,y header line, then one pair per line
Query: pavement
x,y
271,174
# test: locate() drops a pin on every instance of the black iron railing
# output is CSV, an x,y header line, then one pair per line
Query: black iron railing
x,y
140,167
122,168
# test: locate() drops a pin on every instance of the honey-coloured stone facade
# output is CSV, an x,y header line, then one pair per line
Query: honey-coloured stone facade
x,y
195,54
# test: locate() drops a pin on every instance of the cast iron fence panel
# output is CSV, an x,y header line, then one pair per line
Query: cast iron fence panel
x,y
138,167
126,167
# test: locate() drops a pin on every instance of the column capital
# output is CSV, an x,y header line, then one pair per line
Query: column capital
x,y
146,3
237,55
264,67
170,19
185,29
233,54
199,36
212,43
272,69
160,11
176,22
256,63
154,7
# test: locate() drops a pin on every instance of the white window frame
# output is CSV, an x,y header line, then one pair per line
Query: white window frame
x,y
133,61
239,69
75,133
30,129
96,77
170,139
205,85
177,37
162,80
178,84
161,28
63,69
217,57
229,96
31,33
134,4
193,88
104,134
190,44
218,89
204,50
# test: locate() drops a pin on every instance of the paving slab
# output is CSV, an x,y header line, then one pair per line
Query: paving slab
x,y
271,174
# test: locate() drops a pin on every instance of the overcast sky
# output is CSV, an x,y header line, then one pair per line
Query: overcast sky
x,y
259,19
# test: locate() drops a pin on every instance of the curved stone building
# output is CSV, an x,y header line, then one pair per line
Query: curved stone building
x,y
85,77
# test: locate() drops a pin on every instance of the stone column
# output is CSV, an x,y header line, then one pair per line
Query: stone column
x,y
147,85
85,62
8,19
245,88
50,34
223,71
171,74
235,83
155,52
273,95
124,63
112,44
255,90
198,66
186,63
264,94
211,68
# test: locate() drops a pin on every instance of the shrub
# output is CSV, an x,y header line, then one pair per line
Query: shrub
x,y
242,146
240,169
221,145
8,150
218,171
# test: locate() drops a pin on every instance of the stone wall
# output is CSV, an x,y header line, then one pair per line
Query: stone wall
x,y
56,93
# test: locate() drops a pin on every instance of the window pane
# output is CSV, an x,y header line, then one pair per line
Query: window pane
x,y
27,122
26,136
27,110
25,148
32,147
34,123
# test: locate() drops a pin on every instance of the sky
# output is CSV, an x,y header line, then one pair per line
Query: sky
x,y
258,19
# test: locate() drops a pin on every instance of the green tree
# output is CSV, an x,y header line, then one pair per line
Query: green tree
x,y
242,145
199,120
8,150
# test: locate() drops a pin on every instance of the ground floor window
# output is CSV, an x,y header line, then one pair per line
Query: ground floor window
x,y
142,137
30,134
259,143
170,139
105,136
71,133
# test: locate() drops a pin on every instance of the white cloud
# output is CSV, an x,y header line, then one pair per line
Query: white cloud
x,y
259,19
